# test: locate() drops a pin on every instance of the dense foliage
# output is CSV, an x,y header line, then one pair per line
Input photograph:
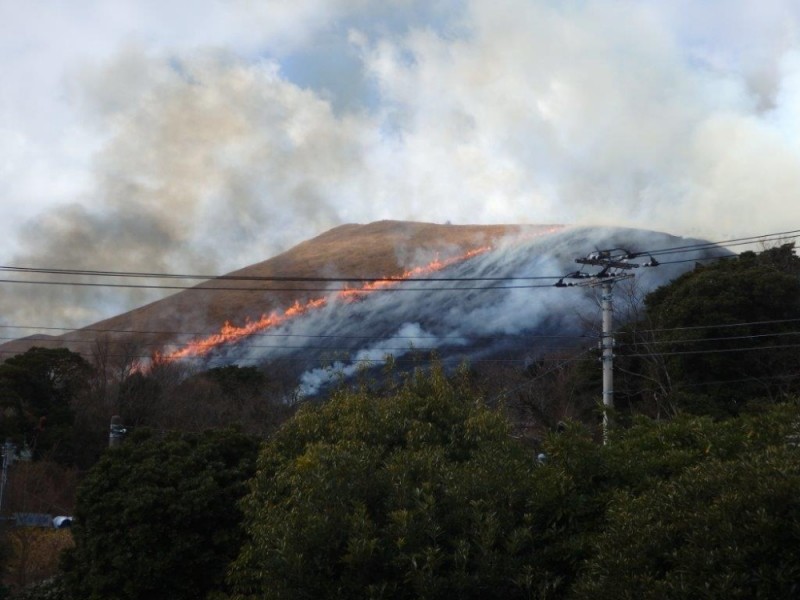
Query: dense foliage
x,y
729,329
714,341
37,391
158,518
701,509
420,493
419,490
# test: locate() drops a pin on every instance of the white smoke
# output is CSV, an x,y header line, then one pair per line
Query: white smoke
x,y
484,317
206,140
409,337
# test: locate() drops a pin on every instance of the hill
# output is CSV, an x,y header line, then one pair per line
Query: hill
x,y
379,249
491,299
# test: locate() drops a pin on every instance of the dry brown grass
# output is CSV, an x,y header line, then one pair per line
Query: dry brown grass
x,y
378,249
36,554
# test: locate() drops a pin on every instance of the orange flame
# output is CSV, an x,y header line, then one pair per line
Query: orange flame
x,y
230,334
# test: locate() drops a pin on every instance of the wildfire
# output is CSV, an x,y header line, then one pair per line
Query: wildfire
x,y
230,334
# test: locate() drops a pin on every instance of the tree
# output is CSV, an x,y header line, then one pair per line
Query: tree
x,y
716,337
157,518
245,396
724,528
6,555
37,392
35,554
416,493
579,528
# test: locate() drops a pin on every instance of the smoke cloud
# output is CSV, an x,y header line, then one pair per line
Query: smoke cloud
x,y
487,320
409,336
210,152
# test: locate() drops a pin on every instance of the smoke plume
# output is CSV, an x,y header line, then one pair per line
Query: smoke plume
x,y
493,314
293,117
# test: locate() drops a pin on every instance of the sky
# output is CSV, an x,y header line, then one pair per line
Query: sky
x,y
203,136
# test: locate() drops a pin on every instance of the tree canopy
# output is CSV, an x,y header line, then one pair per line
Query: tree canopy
x,y
157,518
422,493
419,493
700,509
37,391
716,338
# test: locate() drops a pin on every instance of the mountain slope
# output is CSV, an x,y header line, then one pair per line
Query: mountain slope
x,y
378,249
499,305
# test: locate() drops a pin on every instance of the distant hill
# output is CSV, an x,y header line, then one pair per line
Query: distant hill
x,y
498,304
378,249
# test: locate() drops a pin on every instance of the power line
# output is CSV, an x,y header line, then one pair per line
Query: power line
x,y
280,335
397,287
263,278
715,350
763,238
394,280
329,359
455,339
387,349
787,377
258,289
371,337
720,325
698,259
767,237
704,340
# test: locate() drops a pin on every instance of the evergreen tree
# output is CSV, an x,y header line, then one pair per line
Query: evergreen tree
x,y
717,337
157,518
37,392
420,493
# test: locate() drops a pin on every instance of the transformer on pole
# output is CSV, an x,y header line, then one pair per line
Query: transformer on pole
x,y
615,264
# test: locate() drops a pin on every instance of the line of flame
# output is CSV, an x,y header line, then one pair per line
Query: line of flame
x,y
229,334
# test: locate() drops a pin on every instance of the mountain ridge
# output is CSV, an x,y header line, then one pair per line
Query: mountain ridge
x,y
492,301
373,250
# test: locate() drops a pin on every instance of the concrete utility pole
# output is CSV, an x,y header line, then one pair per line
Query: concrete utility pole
x,y
607,345
8,457
615,264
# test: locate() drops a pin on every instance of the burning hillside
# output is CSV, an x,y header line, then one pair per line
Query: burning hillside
x,y
381,249
498,305
320,311
231,334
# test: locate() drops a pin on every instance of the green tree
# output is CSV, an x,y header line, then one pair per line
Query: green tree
x,y
720,523
416,493
717,337
37,392
157,518
576,491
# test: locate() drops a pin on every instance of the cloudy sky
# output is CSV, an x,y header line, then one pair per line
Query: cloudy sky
x,y
206,135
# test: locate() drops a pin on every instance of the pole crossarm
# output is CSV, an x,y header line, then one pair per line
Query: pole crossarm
x,y
591,280
614,265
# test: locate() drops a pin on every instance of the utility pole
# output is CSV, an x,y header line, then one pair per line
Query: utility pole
x,y
8,457
615,264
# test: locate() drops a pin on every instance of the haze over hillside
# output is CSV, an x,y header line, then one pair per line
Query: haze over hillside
x,y
199,137
499,304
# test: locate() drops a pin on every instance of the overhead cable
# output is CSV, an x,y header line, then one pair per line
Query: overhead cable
x,y
764,238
